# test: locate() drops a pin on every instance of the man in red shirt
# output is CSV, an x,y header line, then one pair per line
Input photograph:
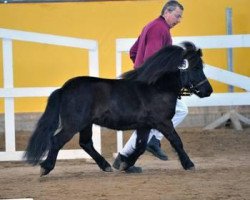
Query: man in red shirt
x,y
154,36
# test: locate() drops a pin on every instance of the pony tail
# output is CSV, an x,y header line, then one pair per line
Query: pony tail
x,y
40,140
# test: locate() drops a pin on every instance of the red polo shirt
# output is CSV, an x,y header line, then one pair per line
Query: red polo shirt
x,y
153,37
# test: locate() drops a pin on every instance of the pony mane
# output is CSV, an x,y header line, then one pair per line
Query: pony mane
x,y
163,62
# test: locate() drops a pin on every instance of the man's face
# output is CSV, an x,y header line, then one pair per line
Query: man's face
x,y
174,17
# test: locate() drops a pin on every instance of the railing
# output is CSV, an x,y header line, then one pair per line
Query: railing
x,y
216,99
9,92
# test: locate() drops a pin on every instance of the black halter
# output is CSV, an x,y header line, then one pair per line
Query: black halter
x,y
195,88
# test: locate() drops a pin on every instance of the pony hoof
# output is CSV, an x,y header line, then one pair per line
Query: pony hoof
x,y
191,168
108,169
123,166
43,172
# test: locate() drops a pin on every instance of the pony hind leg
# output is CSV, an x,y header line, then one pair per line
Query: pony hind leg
x,y
85,141
57,142
140,147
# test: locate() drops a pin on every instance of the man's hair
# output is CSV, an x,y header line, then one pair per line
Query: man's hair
x,y
171,6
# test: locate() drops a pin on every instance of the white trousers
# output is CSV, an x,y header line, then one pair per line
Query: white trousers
x,y
181,111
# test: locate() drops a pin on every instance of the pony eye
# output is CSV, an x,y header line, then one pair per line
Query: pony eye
x,y
184,65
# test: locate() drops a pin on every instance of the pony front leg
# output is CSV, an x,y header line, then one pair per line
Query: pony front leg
x,y
175,141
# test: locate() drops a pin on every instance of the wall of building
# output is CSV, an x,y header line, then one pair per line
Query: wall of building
x,y
37,65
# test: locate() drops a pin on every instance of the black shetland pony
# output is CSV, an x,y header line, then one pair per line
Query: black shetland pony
x,y
143,99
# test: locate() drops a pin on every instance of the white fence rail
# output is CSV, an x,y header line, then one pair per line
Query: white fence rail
x,y
9,92
215,73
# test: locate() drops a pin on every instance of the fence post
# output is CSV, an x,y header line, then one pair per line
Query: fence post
x,y
94,71
8,101
119,135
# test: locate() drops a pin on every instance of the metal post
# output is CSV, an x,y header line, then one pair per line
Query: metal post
x,y
229,50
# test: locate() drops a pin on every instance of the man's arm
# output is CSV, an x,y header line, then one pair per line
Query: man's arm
x,y
133,51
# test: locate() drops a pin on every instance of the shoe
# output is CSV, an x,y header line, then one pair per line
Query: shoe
x,y
133,170
154,147
121,165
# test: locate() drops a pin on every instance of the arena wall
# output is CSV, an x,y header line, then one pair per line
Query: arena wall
x,y
37,65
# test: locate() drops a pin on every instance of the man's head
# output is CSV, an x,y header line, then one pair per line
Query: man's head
x,y
172,12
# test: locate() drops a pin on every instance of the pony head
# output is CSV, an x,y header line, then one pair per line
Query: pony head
x,y
191,69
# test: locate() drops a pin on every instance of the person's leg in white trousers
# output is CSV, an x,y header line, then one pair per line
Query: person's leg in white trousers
x,y
181,112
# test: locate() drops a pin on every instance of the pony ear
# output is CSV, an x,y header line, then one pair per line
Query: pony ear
x,y
182,46
184,65
199,51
